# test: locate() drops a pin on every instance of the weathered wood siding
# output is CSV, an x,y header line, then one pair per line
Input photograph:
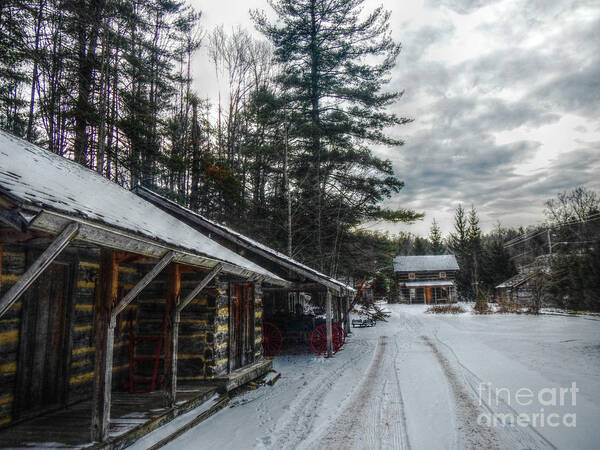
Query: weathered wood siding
x,y
13,266
221,329
80,349
426,275
258,321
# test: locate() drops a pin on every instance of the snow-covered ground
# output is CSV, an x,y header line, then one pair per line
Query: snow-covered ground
x,y
426,381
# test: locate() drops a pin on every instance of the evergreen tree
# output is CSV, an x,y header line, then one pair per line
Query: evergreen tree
x,y
334,64
474,247
460,245
436,243
14,51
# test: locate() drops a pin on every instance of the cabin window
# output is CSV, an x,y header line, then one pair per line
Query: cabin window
x,y
412,276
442,275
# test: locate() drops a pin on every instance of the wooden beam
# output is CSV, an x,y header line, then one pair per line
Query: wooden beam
x,y
134,292
207,279
39,265
106,297
172,332
328,325
347,314
297,287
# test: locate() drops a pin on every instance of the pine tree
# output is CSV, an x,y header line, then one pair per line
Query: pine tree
x,y
335,62
474,247
460,246
14,17
436,243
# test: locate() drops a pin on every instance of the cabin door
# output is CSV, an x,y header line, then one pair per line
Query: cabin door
x,y
428,295
242,331
42,363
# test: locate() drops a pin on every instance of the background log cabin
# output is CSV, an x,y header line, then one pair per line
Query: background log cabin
x,y
426,279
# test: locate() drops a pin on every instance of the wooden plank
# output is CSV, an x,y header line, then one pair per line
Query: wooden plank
x,y
40,264
134,292
219,405
328,324
106,297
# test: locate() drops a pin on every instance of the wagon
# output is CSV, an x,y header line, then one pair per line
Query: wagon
x,y
273,336
361,323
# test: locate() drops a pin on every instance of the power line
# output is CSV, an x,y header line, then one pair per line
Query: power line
x,y
531,234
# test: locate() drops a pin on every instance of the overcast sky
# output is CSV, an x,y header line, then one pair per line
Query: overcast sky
x,y
505,97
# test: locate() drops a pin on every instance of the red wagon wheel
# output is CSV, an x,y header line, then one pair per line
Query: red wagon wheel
x,y
318,338
272,339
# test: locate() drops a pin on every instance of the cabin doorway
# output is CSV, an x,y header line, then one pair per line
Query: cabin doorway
x,y
428,296
241,336
42,362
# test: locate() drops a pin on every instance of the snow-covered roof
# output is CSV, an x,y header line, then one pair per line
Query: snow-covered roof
x,y
244,241
429,283
424,263
39,180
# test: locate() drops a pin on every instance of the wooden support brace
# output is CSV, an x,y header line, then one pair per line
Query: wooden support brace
x,y
329,325
176,321
105,316
207,279
36,269
133,293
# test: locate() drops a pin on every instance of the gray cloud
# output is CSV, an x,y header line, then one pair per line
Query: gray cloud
x,y
452,154
460,6
538,66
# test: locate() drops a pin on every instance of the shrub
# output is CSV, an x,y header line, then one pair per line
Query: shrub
x,y
445,309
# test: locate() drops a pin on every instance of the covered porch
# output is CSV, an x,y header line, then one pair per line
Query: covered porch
x,y
431,292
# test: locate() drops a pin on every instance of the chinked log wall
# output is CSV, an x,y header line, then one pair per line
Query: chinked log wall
x,y
80,347
203,336
258,321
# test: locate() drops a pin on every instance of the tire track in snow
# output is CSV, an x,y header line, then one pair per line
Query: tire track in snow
x,y
374,418
474,436
518,437
293,429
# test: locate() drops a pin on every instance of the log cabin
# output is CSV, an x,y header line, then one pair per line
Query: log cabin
x,y
426,279
528,283
111,307
286,307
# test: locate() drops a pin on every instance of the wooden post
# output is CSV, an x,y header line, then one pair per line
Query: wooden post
x,y
172,333
328,324
106,310
174,350
347,315
177,320
39,265
106,297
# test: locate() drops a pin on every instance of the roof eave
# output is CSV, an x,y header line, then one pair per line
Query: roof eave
x,y
151,196
106,236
